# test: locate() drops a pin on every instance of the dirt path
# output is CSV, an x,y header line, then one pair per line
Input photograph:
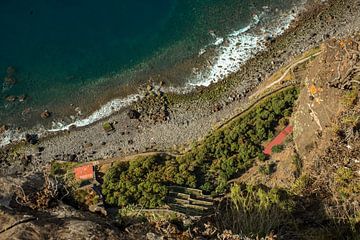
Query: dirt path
x,y
290,68
127,158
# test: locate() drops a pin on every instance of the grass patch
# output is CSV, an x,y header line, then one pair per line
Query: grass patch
x,y
350,98
256,211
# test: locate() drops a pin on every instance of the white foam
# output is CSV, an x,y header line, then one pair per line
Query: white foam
x,y
238,47
7,137
104,111
13,135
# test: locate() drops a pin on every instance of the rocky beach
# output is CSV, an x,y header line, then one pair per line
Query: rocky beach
x,y
164,121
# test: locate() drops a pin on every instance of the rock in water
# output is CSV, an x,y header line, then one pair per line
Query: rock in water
x,y
45,114
22,98
10,98
9,80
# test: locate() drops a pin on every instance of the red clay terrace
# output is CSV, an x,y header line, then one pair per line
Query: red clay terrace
x,y
278,140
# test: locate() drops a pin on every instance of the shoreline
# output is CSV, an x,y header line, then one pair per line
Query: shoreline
x,y
232,51
187,118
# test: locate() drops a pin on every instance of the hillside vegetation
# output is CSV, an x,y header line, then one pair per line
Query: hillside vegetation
x,y
223,155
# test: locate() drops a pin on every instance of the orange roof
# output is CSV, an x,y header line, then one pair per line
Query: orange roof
x,y
279,139
84,172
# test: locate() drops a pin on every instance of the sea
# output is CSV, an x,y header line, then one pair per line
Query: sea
x,y
83,60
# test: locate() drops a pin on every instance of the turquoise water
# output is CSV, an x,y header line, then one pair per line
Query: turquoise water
x,y
62,49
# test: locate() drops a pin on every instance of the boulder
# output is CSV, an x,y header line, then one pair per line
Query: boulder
x,y
133,114
72,157
32,138
22,98
72,127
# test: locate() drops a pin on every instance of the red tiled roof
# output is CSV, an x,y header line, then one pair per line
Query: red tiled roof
x,y
279,139
84,172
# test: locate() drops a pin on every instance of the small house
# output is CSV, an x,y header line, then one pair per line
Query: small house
x,y
85,172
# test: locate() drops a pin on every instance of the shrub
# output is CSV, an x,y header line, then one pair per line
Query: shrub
x,y
278,148
262,156
298,165
267,169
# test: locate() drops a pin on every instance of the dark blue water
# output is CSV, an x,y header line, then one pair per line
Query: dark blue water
x,y
59,49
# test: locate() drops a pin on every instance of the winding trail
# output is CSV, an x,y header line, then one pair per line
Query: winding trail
x,y
291,67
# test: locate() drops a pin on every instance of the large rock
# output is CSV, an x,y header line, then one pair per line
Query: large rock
x,y
133,114
32,138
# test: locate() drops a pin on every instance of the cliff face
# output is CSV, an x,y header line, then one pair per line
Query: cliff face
x,y
329,79
327,134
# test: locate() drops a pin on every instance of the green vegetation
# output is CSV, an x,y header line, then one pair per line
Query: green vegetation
x,y
262,156
256,211
350,98
62,168
223,155
298,165
301,184
345,184
278,148
64,173
108,127
268,168
138,181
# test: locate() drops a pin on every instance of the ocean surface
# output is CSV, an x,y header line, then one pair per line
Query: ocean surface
x,y
83,59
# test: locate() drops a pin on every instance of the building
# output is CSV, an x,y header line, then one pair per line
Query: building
x,y
85,172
